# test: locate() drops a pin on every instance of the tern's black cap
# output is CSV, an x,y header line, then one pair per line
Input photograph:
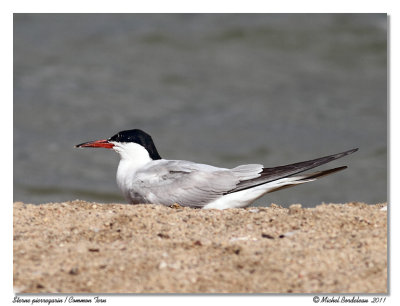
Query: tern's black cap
x,y
139,137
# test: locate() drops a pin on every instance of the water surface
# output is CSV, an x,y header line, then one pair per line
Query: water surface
x,y
222,89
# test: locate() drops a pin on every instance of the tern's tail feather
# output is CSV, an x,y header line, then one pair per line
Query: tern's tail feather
x,y
272,174
301,179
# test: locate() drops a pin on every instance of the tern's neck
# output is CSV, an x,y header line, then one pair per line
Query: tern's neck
x,y
132,154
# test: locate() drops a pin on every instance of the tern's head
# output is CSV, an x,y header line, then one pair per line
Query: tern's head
x,y
128,144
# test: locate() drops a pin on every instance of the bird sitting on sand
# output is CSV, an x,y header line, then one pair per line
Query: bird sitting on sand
x,y
144,177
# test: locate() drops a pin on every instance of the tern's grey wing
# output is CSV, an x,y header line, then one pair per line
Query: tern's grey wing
x,y
195,185
272,174
182,182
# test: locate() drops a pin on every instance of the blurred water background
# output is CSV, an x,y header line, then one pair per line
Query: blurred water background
x,y
221,89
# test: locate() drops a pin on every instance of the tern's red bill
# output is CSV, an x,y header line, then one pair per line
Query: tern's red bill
x,y
104,143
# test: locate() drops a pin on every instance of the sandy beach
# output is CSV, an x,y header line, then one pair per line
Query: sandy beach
x,y
82,247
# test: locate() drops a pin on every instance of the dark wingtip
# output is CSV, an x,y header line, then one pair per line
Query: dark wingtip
x,y
346,152
272,174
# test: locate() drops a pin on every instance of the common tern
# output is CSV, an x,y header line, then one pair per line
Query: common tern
x,y
144,177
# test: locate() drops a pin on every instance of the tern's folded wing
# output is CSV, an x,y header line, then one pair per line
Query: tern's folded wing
x,y
185,183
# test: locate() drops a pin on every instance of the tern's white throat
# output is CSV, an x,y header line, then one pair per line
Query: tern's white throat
x,y
133,158
133,155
